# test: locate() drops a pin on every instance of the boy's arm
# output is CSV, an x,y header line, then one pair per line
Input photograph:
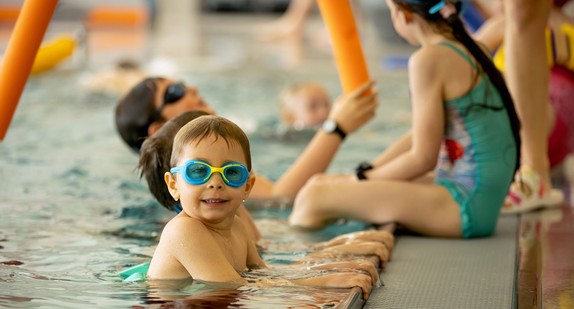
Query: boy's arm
x,y
197,251
350,112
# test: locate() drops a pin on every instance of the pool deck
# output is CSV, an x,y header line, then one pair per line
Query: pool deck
x,y
528,263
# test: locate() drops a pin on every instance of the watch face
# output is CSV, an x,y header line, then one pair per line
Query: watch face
x,y
329,125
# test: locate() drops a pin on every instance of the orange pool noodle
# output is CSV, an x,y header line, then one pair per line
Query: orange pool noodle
x,y
116,16
349,57
9,13
20,54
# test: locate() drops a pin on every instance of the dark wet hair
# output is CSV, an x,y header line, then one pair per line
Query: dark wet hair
x,y
155,156
136,111
458,31
204,127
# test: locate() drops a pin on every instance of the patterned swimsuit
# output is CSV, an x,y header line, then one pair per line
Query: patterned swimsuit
x,y
477,156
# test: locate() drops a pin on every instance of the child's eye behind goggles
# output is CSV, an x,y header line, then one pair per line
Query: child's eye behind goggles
x,y
172,94
197,172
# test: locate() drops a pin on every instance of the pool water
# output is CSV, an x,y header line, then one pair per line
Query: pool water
x,y
73,212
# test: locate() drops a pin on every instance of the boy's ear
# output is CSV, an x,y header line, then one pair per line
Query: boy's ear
x,y
170,182
249,186
153,127
408,13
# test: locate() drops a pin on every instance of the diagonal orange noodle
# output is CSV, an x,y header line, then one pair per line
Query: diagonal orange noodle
x,y
17,63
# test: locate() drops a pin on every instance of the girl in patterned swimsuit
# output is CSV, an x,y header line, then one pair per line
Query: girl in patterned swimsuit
x,y
449,176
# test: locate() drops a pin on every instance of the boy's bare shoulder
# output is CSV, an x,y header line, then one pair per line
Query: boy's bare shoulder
x,y
186,229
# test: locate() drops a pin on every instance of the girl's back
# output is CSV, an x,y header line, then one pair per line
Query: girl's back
x,y
478,151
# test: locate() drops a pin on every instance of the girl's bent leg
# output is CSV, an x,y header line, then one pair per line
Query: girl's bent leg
x,y
423,208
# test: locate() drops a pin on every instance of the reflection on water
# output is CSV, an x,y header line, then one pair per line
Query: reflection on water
x,y
184,294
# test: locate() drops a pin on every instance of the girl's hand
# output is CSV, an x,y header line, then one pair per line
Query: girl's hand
x,y
353,110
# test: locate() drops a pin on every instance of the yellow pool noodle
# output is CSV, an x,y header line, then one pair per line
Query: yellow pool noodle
x,y
52,53
566,29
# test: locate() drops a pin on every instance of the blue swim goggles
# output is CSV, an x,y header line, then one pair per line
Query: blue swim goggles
x,y
197,172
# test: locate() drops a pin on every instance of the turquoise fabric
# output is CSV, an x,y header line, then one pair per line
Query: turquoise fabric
x,y
136,273
478,155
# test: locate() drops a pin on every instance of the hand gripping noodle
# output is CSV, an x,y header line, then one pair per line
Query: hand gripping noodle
x,y
20,54
349,58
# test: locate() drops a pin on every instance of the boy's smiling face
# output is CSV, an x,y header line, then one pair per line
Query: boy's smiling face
x,y
214,202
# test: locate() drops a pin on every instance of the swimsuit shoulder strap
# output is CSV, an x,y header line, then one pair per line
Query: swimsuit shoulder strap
x,y
460,52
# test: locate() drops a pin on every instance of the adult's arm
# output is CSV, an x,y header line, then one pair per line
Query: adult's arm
x,y
350,111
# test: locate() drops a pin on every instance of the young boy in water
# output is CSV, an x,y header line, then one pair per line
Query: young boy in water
x,y
155,156
207,240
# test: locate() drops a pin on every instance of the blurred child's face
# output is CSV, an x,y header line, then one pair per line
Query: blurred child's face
x,y
309,107
213,202
190,101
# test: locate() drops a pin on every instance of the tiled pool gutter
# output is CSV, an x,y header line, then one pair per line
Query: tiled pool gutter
x,y
353,300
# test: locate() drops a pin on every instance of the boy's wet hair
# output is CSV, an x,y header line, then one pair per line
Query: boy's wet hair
x,y
155,156
136,111
207,126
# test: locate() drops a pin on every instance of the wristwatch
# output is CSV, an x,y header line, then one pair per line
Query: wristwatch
x,y
362,168
331,126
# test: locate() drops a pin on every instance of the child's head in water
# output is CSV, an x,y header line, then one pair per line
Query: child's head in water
x,y
210,169
155,155
305,105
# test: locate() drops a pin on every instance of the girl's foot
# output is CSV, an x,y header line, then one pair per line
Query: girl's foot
x,y
528,192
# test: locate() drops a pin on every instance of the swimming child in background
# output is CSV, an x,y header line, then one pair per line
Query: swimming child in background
x,y
207,240
118,79
465,129
304,106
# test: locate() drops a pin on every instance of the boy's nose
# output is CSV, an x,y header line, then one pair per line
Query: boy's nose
x,y
216,181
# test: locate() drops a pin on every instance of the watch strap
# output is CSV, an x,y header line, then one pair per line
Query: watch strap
x,y
340,131
362,168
